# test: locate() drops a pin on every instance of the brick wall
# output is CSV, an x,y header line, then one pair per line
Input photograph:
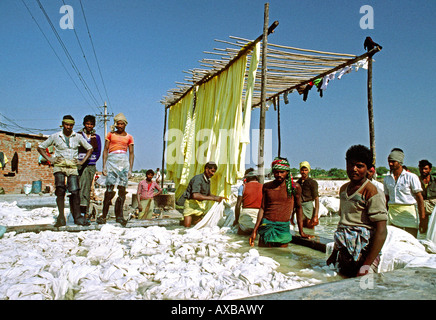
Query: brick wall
x,y
28,168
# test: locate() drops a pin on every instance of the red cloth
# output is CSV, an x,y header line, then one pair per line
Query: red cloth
x,y
252,196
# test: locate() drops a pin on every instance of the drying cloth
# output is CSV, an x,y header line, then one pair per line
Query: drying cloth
x,y
275,231
3,160
14,163
343,71
214,131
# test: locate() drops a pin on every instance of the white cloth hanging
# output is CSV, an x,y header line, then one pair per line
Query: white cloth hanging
x,y
343,71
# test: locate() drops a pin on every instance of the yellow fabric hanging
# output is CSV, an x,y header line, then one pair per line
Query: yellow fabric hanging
x,y
179,124
215,129
245,136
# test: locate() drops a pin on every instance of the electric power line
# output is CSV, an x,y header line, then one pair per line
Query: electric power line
x,y
95,54
54,51
14,126
84,56
70,59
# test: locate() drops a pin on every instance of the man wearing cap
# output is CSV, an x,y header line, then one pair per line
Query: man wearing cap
x,y
198,191
250,198
279,197
309,196
65,163
403,191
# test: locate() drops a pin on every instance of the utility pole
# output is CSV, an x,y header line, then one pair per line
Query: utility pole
x,y
105,117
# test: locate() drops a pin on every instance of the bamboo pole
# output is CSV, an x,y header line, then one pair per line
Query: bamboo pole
x,y
278,128
212,74
371,111
350,62
261,160
163,149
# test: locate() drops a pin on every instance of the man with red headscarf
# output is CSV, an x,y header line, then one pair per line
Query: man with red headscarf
x,y
279,197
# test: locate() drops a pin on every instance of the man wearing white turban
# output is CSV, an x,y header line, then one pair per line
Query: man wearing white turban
x,y
403,191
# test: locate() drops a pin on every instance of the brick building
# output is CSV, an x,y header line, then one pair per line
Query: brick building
x,y
29,170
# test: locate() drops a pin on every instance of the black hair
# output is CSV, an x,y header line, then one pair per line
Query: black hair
x,y
149,171
424,163
360,153
397,149
68,117
210,165
89,118
248,171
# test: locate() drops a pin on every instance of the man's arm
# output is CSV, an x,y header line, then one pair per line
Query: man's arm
x,y
256,227
200,197
138,195
105,154
131,159
87,155
237,209
377,244
423,222
315,220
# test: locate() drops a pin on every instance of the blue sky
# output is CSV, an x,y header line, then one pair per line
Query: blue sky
x,y
143,47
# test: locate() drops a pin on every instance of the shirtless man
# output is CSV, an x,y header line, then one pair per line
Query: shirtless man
x,y
279,197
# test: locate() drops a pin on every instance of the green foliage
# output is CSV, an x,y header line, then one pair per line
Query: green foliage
x,y
337,173
381,170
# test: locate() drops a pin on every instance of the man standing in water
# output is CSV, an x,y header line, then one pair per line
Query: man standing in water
x,y
403,191
361,230
65,162
279,197
117,166
428,184
309,195
196,194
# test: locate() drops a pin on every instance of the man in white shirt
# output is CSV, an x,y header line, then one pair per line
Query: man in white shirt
x,y
403,192
65,163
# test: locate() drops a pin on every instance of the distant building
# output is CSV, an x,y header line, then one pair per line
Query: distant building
x,y
27,167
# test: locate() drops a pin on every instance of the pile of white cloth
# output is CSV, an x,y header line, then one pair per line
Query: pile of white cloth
x,y
136,263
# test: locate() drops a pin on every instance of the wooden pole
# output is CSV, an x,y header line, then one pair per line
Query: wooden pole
x,y
348,63
370,110
261,160
278,128
163,152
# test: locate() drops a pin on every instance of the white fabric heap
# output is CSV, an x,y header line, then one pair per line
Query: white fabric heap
x,y
136,263
402,250
12,215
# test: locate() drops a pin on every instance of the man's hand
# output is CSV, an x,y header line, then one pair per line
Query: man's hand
x,y
252,238
306,236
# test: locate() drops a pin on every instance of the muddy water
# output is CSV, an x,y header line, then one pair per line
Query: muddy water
x,y
300,260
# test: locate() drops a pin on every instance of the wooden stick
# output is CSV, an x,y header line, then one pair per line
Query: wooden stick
x,y
261,164
371,111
